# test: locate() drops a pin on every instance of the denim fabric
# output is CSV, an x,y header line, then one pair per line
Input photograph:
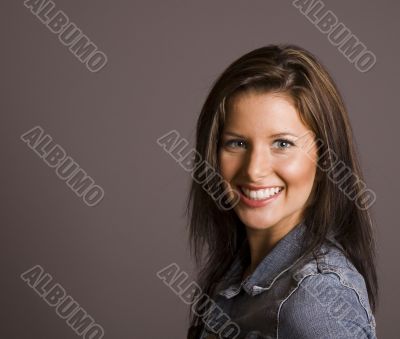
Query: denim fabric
x,y
291,296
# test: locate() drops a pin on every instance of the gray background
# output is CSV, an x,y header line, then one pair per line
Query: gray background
x,y
163,57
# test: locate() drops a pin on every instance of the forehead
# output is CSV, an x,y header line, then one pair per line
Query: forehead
x,y
255,111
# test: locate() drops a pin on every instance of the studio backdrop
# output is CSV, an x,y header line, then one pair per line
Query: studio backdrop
x,y
93,205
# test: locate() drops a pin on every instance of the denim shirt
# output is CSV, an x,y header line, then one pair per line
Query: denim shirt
x,y
292,296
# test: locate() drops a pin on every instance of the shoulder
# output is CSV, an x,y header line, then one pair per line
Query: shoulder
x,y
330,300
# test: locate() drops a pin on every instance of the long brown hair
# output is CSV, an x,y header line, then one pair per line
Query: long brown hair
x,y
215,235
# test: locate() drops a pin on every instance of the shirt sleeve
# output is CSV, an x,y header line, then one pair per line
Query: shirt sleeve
x,y
323,307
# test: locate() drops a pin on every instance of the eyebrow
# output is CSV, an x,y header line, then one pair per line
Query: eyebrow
x,y
272,136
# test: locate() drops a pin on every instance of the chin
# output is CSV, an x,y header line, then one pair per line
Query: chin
x,y
258,223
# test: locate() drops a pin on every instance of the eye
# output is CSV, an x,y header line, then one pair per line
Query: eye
x,y
283,143
234,143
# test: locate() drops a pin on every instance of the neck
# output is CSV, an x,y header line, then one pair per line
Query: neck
x,y
262,241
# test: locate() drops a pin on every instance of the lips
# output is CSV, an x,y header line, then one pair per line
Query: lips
x,y
260,193
255,187
261,197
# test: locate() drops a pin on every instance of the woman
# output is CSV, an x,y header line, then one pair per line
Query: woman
x,y
292,253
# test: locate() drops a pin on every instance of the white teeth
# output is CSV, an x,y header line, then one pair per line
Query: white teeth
x,y
261,194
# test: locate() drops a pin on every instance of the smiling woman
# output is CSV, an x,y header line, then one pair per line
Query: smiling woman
x,y
269,168
295,257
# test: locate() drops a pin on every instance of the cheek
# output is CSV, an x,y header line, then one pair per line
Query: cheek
x,y
298,171
229,165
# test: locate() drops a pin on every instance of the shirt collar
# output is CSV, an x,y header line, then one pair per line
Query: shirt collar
x,y
281,258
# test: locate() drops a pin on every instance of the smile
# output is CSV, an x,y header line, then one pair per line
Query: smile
x,y
259,198
261,194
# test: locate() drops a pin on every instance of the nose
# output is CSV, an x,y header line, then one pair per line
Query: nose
x,y
258,164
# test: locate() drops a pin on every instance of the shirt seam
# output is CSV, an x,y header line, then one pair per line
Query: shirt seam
x,y
370,318
359,297
283,301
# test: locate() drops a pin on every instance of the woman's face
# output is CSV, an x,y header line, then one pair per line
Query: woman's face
x,y
261,147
